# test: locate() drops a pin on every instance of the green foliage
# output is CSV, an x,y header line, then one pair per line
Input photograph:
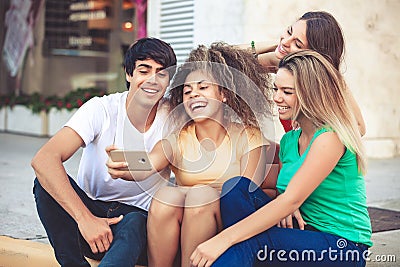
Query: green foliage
x,y
38,103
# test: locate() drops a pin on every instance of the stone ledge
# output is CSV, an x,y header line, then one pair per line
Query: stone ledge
x,y
22,253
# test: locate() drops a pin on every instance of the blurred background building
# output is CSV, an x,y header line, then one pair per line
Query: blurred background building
x,y
56,46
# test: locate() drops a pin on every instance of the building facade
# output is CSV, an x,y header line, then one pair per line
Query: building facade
x,y
55,46
371,67
89,53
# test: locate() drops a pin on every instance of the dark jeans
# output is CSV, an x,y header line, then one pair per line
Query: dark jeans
x,y
129,246
279,246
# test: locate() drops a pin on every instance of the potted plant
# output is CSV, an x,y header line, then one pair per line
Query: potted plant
x,y
39,115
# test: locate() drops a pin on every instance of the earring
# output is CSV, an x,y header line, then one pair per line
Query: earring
x,y
224,99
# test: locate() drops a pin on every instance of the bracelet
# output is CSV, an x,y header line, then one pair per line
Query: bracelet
x,y
253,49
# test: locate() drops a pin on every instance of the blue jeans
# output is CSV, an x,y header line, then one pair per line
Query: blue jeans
x,y
129,246
279,246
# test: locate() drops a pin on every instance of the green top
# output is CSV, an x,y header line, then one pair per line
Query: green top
x,y
338,205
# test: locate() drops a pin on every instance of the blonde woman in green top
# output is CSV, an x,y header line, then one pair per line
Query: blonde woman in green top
x,y
321,178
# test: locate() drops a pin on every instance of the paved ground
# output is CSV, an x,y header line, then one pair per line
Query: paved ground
x,y
18,216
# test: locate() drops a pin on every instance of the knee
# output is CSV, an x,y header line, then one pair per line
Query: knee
x,y
37,187
169,196
161,211
234,186
132,229
200,196
237,255
135,217
135,221
39,192
201,211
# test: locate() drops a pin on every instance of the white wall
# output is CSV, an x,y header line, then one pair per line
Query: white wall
x,y
372,66
220,20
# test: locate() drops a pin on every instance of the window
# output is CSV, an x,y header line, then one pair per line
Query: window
x,y
176,26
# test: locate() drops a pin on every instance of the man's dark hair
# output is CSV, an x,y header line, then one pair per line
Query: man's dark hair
x,y
150,48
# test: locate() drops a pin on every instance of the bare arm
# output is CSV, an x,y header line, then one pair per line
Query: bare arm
x,y
272,170
261,47
50,171
266,54
253,164
296,193
269,61
160,157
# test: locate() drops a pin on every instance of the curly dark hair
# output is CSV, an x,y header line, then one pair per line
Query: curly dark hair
x,y
245,84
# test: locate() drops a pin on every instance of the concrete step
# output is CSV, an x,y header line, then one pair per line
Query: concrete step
x,y
23,253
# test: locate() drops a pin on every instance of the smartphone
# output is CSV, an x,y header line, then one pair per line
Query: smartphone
x,y
137,160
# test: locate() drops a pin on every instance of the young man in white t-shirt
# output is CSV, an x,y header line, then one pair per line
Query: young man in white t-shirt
x,y
100,217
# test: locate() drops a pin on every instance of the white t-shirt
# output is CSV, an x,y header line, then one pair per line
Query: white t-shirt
x,y
100,122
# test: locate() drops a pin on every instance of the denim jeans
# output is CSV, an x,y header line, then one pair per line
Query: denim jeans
x,y
129,246
279,246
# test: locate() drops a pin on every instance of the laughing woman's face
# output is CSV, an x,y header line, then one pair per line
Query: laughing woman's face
x,y
293,39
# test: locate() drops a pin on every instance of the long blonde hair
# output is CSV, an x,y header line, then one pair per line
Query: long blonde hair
x,y
322,96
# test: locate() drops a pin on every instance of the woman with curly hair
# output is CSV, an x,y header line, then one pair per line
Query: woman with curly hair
x,y
218,98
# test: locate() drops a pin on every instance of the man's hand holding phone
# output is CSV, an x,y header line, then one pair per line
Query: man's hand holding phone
x,y
125,163
117,169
